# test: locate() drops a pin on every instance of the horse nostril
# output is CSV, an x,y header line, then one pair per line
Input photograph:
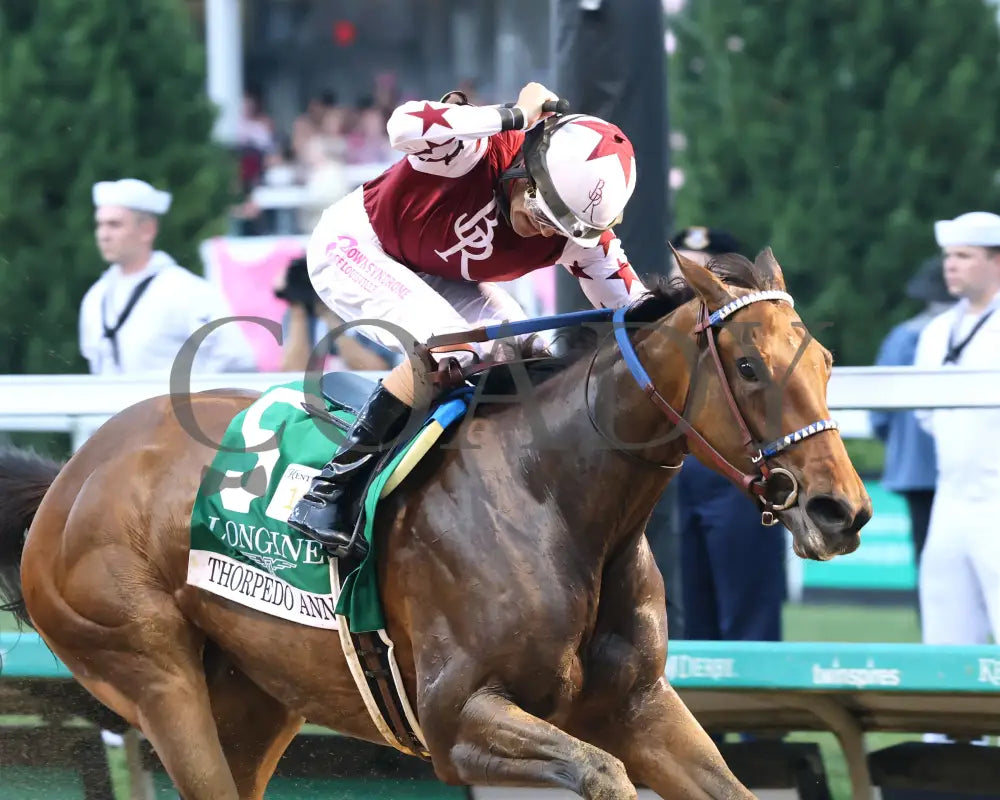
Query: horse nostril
x,y
861,519
830,513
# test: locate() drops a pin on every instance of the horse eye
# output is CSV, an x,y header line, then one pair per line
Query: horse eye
x,y
748,368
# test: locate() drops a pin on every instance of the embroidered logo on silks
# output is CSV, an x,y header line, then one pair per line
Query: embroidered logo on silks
x,y
475,237
596,196
346,254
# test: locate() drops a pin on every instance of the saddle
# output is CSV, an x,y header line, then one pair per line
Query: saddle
x,y
346,391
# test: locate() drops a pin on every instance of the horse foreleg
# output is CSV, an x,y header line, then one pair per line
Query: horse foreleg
x,y
498,743
663,747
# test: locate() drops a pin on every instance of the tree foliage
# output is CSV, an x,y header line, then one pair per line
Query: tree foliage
x,y
93,91
838,132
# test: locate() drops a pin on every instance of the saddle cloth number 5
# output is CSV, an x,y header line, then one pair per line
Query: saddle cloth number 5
x,y
236,497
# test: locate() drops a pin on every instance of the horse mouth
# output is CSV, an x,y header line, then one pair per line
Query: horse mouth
x,y
811,552
809,542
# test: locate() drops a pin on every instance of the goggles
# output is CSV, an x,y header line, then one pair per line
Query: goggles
x,y
569,226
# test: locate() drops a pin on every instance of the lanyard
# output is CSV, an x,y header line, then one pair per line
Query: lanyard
x,y
955,349
111,333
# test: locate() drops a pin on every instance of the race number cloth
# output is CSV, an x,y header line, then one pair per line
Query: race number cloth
x,y
241,545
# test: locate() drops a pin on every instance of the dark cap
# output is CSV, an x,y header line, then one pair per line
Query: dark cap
x,y
928,284
708,240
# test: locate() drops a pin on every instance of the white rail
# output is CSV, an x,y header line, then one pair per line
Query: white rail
x,y
78,404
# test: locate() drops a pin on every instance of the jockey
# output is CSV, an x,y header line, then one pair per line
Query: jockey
x,y
475,200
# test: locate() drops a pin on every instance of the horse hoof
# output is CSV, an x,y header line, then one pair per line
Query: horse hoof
x,y
609,781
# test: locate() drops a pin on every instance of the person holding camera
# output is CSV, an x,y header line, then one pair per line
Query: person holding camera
x,y
308,323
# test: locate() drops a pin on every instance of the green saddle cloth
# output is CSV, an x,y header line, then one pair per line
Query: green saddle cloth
x,y
242,547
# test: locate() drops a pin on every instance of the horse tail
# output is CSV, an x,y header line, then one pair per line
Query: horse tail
x,y
25,477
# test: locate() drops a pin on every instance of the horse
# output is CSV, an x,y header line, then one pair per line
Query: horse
x,y
519,590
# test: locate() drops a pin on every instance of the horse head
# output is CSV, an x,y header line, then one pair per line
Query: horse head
x,y
756,403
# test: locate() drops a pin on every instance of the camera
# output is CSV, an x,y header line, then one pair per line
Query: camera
x,y
298,288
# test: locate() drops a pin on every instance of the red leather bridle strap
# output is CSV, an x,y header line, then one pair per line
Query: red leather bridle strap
x,y
753,483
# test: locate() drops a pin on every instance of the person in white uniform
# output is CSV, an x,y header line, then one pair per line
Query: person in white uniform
x,y
960,567
145,306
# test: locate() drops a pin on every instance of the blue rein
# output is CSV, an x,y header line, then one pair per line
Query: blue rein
x,y
617,316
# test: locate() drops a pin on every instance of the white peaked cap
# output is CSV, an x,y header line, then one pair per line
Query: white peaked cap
x,y
979,228
131,193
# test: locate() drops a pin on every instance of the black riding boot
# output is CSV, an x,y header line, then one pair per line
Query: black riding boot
x,y
323,513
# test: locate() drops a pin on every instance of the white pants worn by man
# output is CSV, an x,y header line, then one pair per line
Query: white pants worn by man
x,y
960,570
356,278
960,576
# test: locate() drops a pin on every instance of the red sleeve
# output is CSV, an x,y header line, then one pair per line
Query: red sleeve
x,y
503,149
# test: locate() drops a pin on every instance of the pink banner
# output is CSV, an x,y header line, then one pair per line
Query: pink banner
x,y
246,269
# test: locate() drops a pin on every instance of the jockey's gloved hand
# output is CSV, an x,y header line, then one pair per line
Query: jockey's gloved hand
x,y
531,99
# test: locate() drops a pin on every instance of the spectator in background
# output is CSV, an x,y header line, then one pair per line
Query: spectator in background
x,y
280,168
326,182
144,307
323,168
331,137
910,467
309,320
368,142
255,142
733,567
255,138
308,123
960,568
280,171
387,96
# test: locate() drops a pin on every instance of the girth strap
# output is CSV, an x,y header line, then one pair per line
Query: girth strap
x,y
373,655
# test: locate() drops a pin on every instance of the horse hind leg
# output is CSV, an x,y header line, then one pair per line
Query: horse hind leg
x,y
254,728
217,734
158,684
500,743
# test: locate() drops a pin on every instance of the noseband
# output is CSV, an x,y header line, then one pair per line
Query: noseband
x,y
754,483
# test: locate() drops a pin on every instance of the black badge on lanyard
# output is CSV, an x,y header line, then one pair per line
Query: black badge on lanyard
x,y
955,350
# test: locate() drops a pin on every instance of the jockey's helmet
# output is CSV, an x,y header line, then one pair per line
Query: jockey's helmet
x,y
583,171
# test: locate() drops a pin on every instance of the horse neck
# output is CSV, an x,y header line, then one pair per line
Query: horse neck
x,y
600,490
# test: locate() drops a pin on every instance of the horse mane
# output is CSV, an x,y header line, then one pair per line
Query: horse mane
x,y
663,296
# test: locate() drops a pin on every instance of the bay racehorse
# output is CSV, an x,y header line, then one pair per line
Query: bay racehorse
x,y
526,609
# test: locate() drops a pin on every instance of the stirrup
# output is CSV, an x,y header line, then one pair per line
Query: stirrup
x,y
355,548
338,544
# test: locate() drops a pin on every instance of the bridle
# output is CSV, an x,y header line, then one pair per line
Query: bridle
x,y
754,483
450,374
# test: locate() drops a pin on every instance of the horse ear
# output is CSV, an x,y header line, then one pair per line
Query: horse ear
x,y
766,262
713,291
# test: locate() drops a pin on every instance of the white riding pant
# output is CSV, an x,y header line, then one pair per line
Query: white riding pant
x,y
358,280
960,570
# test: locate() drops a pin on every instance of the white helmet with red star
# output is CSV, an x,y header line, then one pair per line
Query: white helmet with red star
x,y
583,172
